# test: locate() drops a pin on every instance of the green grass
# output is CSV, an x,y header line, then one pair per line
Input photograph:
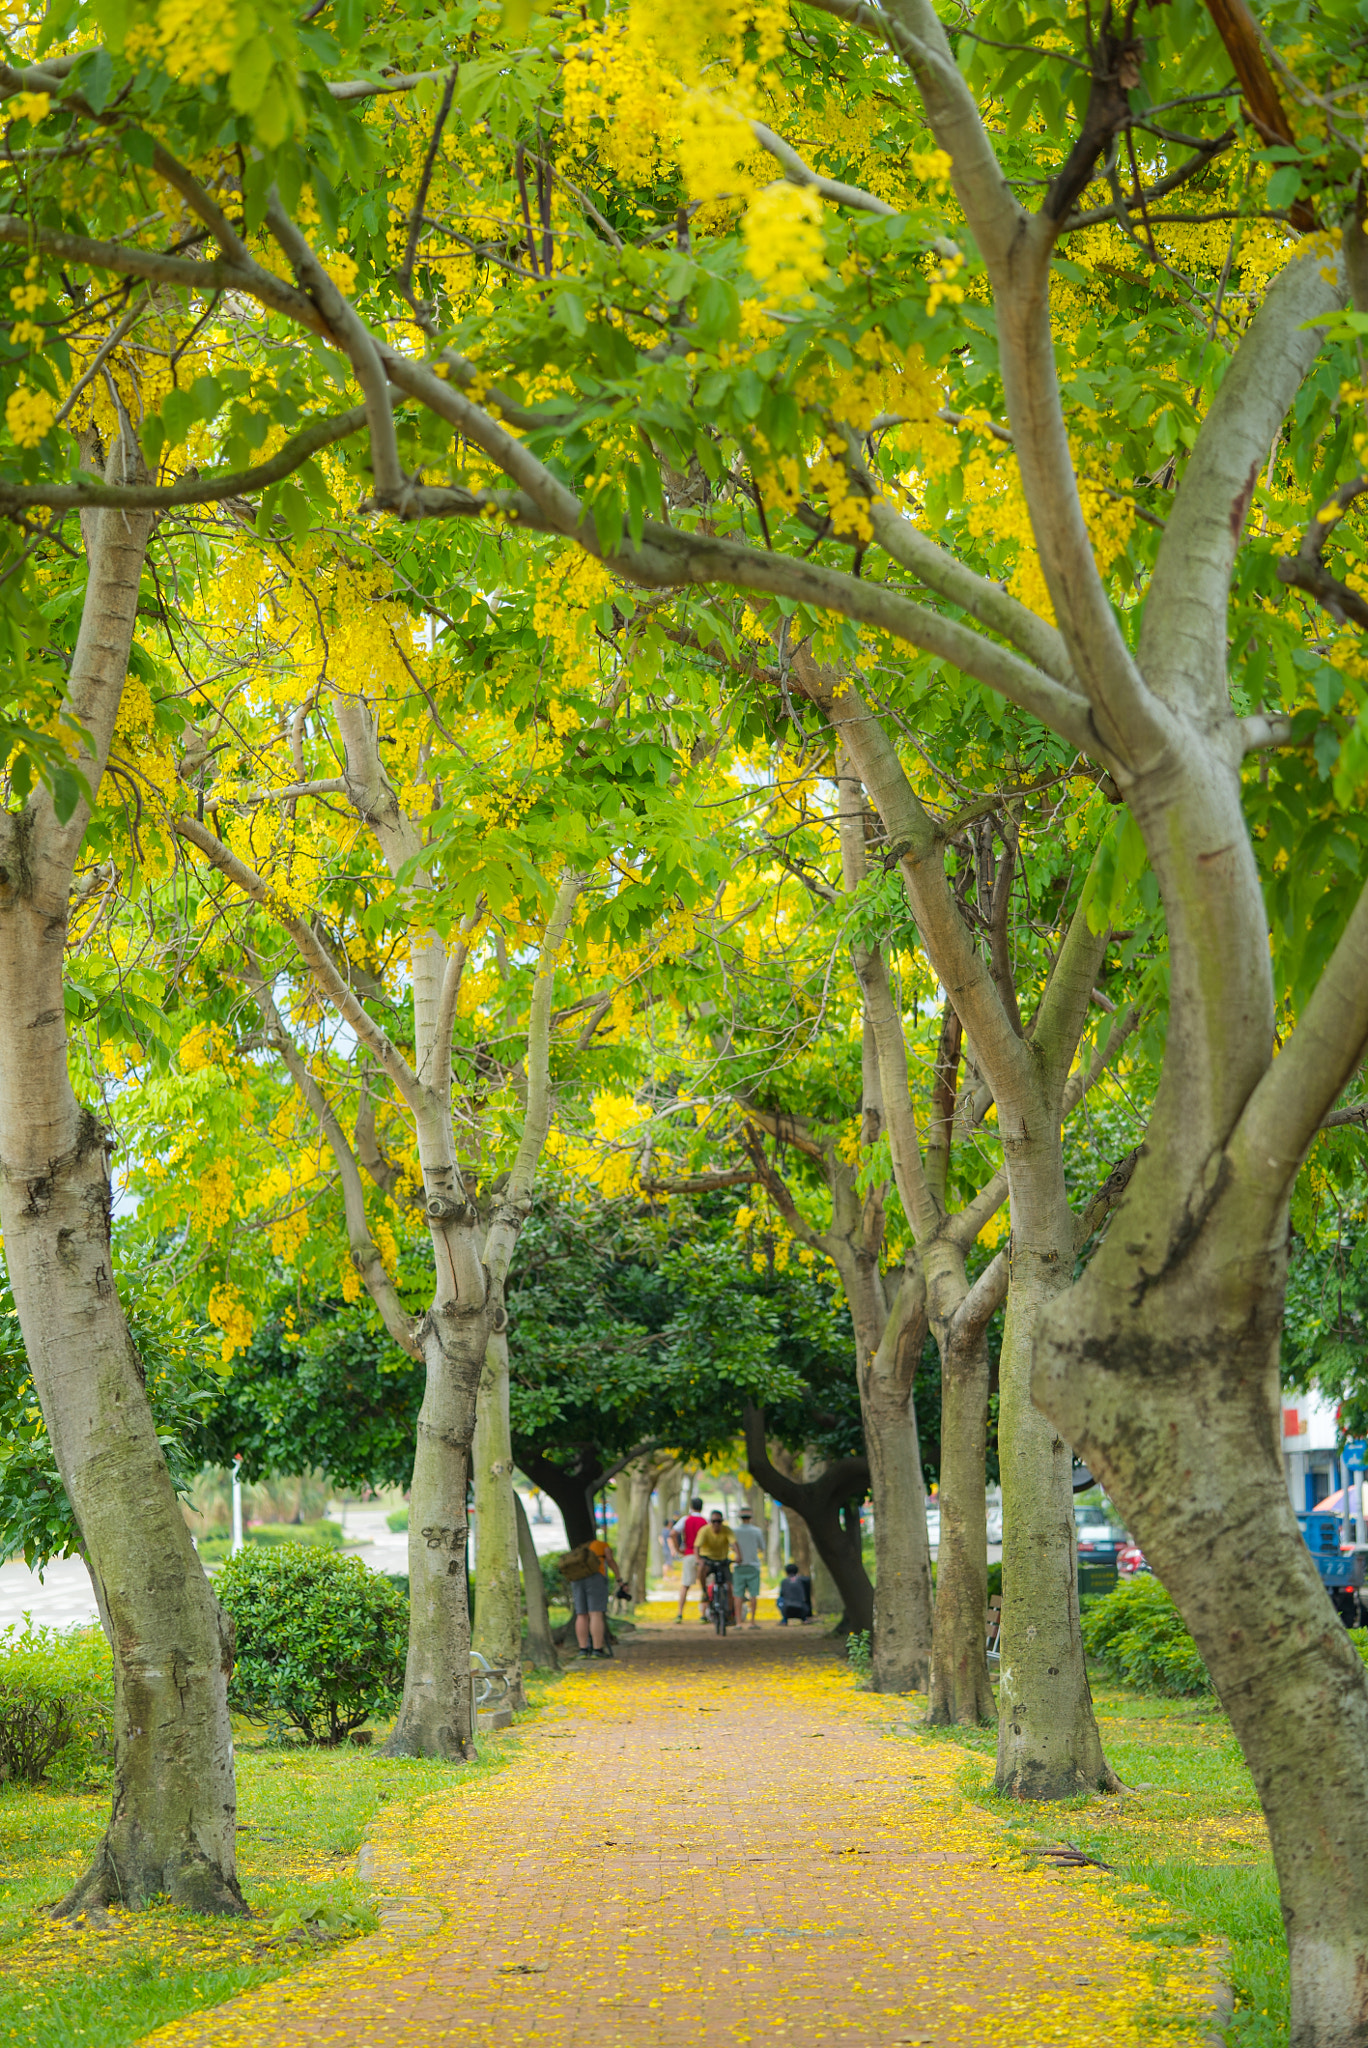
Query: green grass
x,y
1190,1832
302,1814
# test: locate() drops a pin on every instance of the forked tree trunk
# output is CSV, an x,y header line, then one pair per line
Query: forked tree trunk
x,y
1180,1420
819,1500
541,1650
961,1690
568,1486
498,1599
171,1832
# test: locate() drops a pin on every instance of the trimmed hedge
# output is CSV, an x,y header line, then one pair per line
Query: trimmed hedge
x,y
325,1535
1139,1635
320,1640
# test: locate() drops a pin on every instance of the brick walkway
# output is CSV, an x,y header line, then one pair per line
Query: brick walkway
x,y
711,1843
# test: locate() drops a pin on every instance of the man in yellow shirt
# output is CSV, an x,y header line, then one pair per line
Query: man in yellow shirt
x,y
716,1546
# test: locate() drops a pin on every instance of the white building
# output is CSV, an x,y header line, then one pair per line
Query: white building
x,y
1310,1433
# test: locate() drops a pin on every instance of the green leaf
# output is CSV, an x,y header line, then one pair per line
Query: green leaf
x,y
570,313
251,69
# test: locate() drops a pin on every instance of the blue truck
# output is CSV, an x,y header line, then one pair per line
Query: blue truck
x,y
1341,1571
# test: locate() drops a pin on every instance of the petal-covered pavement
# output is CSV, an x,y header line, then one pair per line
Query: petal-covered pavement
x,y
722,1843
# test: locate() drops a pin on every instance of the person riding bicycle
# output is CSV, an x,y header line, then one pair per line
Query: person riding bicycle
x,y
715,1546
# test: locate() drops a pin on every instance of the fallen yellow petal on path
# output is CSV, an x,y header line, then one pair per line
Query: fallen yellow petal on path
x,y
637,1878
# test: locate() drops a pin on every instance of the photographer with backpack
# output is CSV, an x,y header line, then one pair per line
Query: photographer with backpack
x,y
585,1571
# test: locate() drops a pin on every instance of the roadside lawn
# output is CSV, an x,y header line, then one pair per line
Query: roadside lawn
x,y
1189,1832
302,1814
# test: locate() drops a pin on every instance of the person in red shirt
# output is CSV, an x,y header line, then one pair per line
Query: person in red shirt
x,y
683,1537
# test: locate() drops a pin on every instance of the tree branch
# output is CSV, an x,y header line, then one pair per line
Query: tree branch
x,y
1306,569
517,1196
365,1255
1183,632
1296,1093
193,490
315,956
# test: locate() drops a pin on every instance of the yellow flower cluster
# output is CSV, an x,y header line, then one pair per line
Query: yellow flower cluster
x,y
944,290
641,91
782,232
215,1186
196,38
569,591
228,1312
29,106
204,1045
29,414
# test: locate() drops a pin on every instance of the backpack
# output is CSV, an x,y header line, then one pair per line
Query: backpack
x,y
579,1563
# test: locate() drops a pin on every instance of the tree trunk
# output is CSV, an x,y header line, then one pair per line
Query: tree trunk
x,y
172,1828
541,1650
826,1594
775,1559
961,1691
171,1832
800,1536
634,1543
1048,1745
1180,1421
436,1718
498,1605
902,1556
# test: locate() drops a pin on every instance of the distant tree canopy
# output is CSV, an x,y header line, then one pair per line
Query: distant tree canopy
x,y
628,1324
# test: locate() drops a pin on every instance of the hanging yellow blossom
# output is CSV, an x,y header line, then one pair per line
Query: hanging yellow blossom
x,y
782,232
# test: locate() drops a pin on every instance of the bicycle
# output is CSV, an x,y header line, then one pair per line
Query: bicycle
x,y
720,1596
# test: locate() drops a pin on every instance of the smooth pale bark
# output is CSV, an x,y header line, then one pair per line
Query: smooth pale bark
x,y
945,1656
1048,1745
1161,1365
775,1560
541,1650
827,1603
961,1689
633,1544
901,1658
171,1831
436,1717
498,1601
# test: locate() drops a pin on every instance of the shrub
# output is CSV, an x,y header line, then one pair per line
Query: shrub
x,y
397,1519
557,1594
56,1703
320,1639
860,1653
1139,1635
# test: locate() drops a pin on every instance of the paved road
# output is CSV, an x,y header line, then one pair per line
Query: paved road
x,y
62,1596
